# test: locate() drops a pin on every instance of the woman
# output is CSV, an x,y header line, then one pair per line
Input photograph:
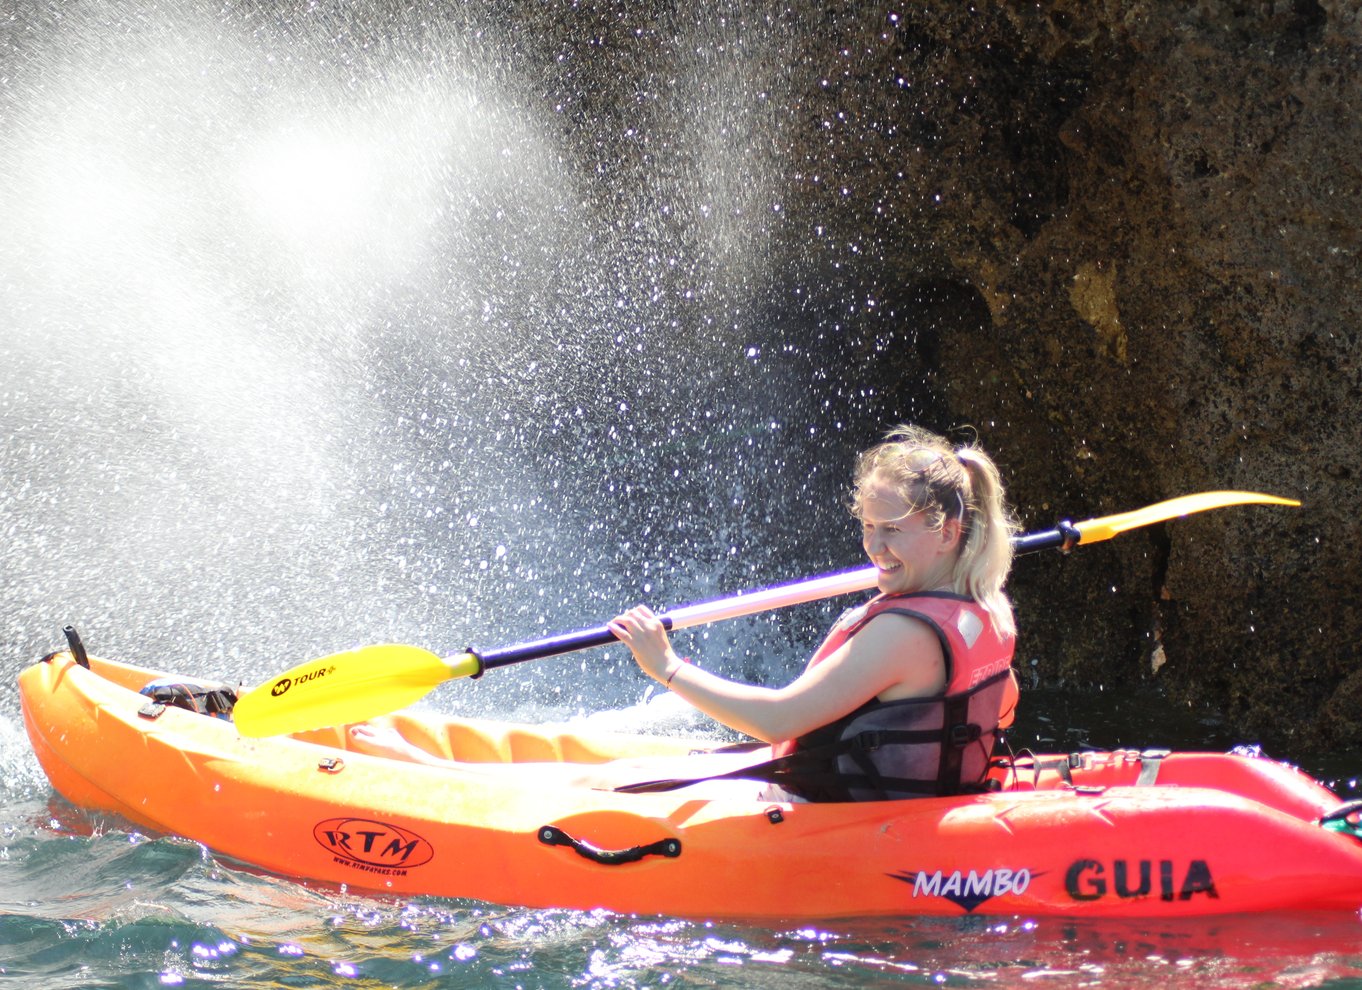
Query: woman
x,y
907,693
905,696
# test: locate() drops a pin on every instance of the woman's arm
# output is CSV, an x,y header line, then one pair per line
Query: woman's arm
x,y
893,655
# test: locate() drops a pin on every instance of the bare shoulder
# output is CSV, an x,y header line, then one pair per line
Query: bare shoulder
x,y
907,649
894,632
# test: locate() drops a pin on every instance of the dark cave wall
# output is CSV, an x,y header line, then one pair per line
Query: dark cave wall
x,y
1153,209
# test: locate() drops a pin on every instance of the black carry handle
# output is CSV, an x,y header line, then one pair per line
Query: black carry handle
x,y
552,835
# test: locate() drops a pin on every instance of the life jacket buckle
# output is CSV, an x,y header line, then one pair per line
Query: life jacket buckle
x,y
870,740
962,734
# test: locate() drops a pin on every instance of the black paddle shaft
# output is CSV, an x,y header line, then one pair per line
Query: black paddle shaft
x,y
1065,536
553,646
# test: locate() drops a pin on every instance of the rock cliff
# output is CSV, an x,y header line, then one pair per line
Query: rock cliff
x,y
1127,234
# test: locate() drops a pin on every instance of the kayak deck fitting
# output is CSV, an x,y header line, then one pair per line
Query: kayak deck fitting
x,y
518,821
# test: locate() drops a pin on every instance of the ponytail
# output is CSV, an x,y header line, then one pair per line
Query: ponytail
x,y
986,544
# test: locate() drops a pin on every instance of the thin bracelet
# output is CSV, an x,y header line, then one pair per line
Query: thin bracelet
x,y
668,684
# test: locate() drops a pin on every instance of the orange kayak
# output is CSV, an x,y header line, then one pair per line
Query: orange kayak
x,y
521,818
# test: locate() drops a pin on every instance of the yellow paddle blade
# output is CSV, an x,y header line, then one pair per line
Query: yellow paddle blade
x,y
1096,530
346,687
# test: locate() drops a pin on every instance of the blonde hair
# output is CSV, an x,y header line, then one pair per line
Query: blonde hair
x,y
949,482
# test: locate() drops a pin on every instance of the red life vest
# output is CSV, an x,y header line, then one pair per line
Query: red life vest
x,y
914,746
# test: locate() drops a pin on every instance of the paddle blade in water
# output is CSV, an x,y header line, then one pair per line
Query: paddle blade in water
x,y
1096,530
346,687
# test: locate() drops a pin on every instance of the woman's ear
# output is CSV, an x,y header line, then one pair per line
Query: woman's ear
x,y
951,531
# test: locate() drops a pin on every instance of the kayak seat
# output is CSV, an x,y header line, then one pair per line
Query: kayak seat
x,y
485,741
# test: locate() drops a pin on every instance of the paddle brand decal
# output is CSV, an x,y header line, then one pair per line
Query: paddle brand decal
x,y
1091,879
284,683
969,888
375,847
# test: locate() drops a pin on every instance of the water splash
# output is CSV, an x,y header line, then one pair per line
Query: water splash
x,y
337,323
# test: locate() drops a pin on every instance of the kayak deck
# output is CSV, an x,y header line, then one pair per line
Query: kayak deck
x,y
515,819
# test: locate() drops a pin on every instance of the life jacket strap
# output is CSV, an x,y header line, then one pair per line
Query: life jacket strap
x,y
798,769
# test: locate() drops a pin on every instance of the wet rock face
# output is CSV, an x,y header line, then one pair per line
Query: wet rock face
x,y
1145,219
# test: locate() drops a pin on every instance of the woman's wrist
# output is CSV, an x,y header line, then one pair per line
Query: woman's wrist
x,y
674,663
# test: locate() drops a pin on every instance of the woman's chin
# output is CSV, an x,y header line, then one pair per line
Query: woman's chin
x,y
890,582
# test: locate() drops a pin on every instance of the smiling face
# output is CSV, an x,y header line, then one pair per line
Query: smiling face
x,y
908,553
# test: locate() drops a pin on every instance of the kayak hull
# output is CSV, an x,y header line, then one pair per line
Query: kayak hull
x,y
517,820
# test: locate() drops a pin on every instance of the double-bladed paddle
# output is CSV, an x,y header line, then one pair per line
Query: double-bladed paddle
x,y
374,680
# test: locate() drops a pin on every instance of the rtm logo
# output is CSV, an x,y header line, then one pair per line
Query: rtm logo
x,y
371,845
1087,879
284,683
